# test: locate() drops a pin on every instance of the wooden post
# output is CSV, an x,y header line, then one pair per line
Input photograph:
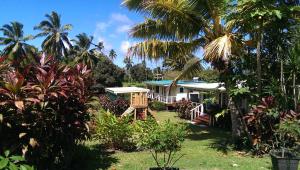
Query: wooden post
x,y
134,114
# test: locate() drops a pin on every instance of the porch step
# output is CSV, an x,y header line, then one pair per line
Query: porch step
x,y
204,119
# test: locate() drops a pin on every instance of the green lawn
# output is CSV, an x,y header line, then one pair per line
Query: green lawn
x,y
204,148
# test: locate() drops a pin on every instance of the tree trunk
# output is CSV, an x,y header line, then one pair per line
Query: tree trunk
x,y
295,92
258,63
236,124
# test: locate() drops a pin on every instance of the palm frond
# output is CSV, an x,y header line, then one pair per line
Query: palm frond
x,y
191,68
155,49
219,48
166,29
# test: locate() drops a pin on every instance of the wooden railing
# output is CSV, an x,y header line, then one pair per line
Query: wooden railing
x,y
161,98
197,111
167,99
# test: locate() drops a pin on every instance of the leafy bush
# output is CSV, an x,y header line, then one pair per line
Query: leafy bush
x,y
262,123
43,111
114,132
165,139
157,105
288,133
121,133
117,106
13,162
183,109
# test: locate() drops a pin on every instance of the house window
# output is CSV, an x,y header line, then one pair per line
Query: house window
x,y
181,90
156,89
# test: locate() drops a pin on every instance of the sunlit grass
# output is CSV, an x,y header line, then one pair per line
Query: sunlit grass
x,y
204,149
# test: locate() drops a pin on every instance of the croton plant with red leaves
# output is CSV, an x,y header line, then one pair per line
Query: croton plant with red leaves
x,y
42,110
262,121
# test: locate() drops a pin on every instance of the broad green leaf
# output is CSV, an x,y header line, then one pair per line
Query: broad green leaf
x,y
17,158
13,166
6,153
27,167
3,163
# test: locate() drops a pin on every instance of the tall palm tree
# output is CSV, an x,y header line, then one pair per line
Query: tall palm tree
x,y
82,51
177,29
16,48
112,55
56,42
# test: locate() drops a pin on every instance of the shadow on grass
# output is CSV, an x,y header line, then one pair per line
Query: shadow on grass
x,y
92,157
219,139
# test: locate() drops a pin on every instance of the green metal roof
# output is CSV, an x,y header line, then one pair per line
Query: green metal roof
x,y
168,82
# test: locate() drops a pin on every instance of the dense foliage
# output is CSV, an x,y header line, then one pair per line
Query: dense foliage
x,y
43,112
262,124
116,106
183,108
121,133
157,105
140,73
107,74
13,162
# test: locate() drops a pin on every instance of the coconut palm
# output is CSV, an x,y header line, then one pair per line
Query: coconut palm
x,y
112,55
178,28
56,42
83,52
16,48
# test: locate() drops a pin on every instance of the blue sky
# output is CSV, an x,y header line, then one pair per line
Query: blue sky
x,y
106,20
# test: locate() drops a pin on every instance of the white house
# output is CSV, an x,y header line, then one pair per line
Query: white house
x,y
194,90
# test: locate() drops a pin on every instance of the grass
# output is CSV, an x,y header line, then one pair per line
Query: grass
x,y
204,149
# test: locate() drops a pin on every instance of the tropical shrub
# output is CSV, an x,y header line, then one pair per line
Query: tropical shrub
x,y
43,111
157,105
114,132
117,106
120,132
164,142
262,124
288,134
13,162
183,109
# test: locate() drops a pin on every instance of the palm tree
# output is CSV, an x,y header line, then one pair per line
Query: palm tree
x,y
57,42
177,29
112,55
16,48
82,51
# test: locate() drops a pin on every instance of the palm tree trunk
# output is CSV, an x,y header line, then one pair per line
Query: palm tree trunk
x,y
235,121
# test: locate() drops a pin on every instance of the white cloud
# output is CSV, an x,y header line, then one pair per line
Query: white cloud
x,y
125,46
121,18
123,28
102,26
